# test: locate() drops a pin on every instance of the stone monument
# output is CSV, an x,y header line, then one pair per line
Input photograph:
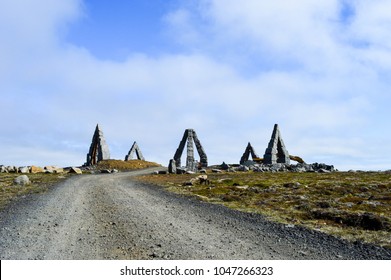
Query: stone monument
x,y
134,150
246,155
98,149
276,151
189,137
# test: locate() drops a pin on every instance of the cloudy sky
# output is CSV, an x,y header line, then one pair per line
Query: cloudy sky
x,y
147,70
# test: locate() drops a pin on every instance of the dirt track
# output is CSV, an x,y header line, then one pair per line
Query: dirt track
x,y
112,217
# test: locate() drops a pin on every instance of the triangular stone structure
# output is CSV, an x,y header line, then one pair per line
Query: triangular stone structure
x,y
134,150
246,155
189,137
98,149
276,151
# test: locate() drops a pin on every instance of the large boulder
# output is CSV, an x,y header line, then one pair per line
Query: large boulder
x,y
36,169
22,180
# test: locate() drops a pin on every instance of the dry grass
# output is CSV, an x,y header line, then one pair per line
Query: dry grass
x,y
354,206
40,183
125,165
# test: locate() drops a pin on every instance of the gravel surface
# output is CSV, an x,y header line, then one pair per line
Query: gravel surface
x,y
113,217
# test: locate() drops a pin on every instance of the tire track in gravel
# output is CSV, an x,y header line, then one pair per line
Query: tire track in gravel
x,y
112,216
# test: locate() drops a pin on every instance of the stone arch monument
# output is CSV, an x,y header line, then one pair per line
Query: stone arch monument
x,y
246,155
134,150
189,137
98,149
276,151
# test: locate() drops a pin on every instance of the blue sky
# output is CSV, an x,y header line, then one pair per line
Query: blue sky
x,y
147,70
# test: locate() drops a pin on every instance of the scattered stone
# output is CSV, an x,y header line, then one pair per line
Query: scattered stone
x,y
105,171
292,185
134,150
75,170
203,171
53,169
163,172
11,169
59,170
114,170
249,163
322,170
3,169
224,166
98,149
202,179
180,170
215,170
242,187
36,169
22,180
172,167
24,169
243,168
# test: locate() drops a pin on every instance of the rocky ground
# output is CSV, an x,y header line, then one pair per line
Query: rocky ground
x,y
111,216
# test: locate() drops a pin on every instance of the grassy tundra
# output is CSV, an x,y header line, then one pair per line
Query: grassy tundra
x,y
351,205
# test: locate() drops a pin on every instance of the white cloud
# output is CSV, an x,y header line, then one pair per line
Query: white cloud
x,y
318,84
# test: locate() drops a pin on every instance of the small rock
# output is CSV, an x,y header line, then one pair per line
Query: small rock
x,y
22,180
180,171
243,168
53,169
202,179
322,170
59,170
23,169
172,167
12,169
3,169
75,170
216,170
224,166
36,169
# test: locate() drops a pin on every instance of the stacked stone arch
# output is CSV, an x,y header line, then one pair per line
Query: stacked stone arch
x,y
188,138
134,150
99,150
276,151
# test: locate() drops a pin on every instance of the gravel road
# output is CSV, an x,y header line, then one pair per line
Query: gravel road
x,y
111,216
